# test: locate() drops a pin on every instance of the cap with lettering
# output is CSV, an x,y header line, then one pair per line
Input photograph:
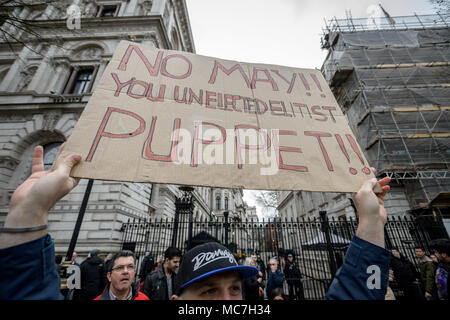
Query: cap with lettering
x,y
206,260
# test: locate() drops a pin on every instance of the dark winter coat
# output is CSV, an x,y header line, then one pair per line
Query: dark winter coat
x,y
147,265
251,288
274,280
155,285
292,271
92,278
404,270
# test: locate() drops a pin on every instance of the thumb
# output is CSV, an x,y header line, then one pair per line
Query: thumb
x,y
368,185
68,163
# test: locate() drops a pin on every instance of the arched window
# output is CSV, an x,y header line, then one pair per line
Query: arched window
x,y
218,203
226,203
50,152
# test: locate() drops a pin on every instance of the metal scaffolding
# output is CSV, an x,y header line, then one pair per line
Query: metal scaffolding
x,y
392,80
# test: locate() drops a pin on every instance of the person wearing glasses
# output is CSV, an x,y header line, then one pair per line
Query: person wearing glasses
x,y
275,277
121,272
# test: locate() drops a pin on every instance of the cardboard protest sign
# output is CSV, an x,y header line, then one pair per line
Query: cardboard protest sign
x,y
173,117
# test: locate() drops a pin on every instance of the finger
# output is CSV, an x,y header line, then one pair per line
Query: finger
x,y
37,164
385,190
374,171
384,181
61,147
68,163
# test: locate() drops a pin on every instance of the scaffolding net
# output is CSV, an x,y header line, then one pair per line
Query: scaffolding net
x,y
393,84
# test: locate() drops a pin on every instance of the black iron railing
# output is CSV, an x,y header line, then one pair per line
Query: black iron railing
x,y
319,245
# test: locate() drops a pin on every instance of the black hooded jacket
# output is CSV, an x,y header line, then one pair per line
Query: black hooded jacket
x,y
92,280
292,270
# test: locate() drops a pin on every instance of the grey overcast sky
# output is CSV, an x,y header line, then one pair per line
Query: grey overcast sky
x,y
282,32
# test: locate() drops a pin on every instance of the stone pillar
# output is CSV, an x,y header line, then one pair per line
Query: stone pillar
x,y
13,77
60,78
40,77
130,9
101,69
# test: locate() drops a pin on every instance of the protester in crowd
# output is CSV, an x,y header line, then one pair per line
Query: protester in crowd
x,y
92,276
434,259
159,284
147,266
258,263
404,274
210,272
73,261
26,248
441,248
252,290
275,277
427,274
105,268
277,294
293,278
121,273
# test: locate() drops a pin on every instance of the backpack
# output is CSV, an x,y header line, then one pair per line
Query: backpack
x,y
441,281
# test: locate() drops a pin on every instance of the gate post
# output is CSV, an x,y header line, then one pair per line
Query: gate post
x,y
227,226
326,230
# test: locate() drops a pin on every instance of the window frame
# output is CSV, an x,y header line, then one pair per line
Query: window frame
x,y
71,82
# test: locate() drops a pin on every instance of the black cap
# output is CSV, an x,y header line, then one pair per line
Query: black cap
x,y
205,260
94,253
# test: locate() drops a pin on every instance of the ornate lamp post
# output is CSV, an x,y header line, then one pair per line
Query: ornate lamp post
x,y
183,205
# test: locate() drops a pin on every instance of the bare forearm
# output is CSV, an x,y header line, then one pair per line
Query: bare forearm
x,y
371,231
23,216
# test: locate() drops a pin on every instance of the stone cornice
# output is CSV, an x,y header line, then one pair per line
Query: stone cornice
x,y
183,15
285,200
91,27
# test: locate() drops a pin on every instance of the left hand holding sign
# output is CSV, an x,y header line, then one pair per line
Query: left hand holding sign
x,y
33,199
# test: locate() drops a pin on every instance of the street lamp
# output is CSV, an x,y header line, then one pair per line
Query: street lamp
x,y
80,217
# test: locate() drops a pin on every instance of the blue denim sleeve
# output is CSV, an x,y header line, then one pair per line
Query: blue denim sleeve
x,y
29,271
364,274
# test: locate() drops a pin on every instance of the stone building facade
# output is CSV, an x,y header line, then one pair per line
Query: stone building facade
x,y
47,78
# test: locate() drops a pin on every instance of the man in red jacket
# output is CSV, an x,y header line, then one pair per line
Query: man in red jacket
x,y
121,271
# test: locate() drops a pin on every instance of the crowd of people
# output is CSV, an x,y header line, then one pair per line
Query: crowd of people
x,y
206,272
280,279
426,282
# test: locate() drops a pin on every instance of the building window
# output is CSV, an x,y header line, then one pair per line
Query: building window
x,y
218,203
81,80
50,152
108,11
226,204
